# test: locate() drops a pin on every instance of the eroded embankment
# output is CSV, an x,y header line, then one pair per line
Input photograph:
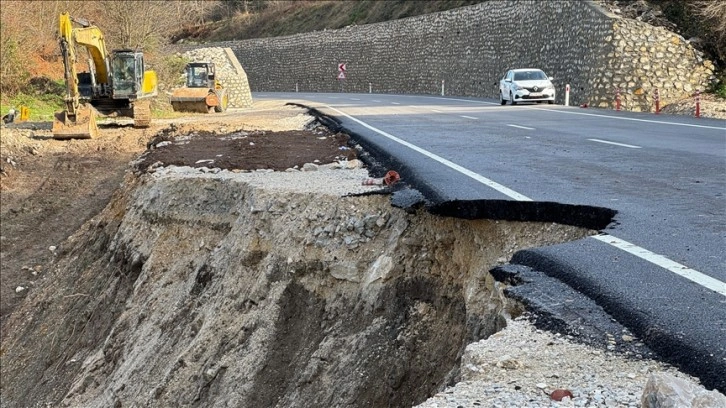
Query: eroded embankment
x,y
197,289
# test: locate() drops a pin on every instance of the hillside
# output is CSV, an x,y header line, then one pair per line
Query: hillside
x,y
277,18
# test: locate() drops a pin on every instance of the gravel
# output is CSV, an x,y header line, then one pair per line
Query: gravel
x,y
521,366
332,179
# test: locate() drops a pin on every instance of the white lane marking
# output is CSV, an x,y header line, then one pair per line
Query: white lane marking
x,y
463,100
396,103
521,127
642,253
468,117
435,111
615,143
354,99
632,119
682,270
376,101
535,107
478,177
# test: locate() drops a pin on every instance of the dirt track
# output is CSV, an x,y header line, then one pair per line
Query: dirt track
x,y
50,187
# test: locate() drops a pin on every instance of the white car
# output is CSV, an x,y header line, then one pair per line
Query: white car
x,y
526,85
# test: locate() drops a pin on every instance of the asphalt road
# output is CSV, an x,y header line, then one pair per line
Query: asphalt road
x,y
659,267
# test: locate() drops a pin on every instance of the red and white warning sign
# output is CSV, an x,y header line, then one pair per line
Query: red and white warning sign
x,y
341,75
341,67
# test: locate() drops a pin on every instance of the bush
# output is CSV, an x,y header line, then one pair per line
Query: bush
x,y
169,71
14,75
719,87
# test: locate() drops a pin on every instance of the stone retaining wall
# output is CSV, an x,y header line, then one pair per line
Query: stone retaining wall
x,y
470,48
229,73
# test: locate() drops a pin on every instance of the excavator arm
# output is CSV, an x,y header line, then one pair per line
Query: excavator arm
x,y
78,120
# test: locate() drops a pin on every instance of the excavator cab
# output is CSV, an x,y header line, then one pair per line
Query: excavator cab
x,y
128,77
125,78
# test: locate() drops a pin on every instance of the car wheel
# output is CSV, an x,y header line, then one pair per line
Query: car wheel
x,y
550,102
511,99
501,99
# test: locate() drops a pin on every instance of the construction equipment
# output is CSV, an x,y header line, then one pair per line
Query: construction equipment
x,y
202,92
116,84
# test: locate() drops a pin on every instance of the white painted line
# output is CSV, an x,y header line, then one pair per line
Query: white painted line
x,y
682,270
468,117
478,177
396,103
376,100
521,127
354,99
632,119
572,113
642,253
435,111
465,100
615,143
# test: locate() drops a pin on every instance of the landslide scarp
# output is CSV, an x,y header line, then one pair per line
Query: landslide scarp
x,y
226,289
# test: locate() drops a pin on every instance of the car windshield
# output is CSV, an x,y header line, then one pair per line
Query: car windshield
x,y
529,76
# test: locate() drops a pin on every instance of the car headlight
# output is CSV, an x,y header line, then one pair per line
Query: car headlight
x,y
550,86
516,87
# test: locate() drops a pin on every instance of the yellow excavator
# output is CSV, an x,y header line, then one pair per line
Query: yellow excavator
x,y
202,91
116,84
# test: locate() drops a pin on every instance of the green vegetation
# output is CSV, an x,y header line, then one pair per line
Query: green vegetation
x,y
41,95
719,89
169,70
13,73
41,108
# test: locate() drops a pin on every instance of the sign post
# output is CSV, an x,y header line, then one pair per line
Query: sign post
x,y
341,74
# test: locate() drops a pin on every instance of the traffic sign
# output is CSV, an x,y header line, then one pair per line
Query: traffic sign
x,y
341,67
341,75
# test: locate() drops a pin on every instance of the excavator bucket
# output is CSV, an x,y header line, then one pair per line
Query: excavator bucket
x,y
194,100
82,125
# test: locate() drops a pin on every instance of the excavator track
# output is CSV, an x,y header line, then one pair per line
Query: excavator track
x,y
142,114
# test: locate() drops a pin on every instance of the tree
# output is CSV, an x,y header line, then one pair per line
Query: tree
x,y
147,24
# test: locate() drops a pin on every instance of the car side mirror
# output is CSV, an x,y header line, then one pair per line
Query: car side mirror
x,y
551,78
507,80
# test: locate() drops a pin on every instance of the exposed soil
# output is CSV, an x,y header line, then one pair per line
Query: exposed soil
x,y
50,188
256,150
